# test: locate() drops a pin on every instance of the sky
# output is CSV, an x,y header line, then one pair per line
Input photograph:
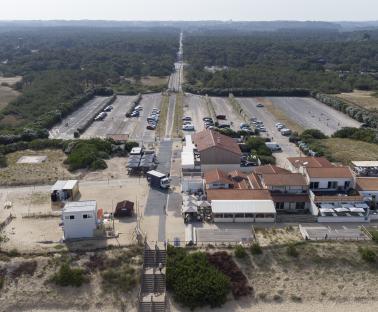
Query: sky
x,y
247,10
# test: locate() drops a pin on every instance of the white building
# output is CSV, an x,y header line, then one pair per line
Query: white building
x,y
80,219
330,179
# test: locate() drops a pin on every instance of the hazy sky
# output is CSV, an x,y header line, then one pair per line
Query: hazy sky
x,y
325,10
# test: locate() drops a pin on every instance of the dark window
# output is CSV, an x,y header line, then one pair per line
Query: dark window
x,y
228,215
72,217
300,206
218,215
332,184
280,206
239,215
249,215
314,185
347,184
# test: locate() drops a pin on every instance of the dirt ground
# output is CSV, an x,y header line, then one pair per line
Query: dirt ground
x,y
27,285
107,187
25,174
364,99
7,95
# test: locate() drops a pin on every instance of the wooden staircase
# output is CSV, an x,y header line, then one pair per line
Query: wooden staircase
x,y
152,296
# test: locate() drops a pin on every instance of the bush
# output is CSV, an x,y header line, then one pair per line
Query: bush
x,y
67,276
129,146
367,254
98,164
292,251
193,281
123,278
256,249
3,161
240,252
310,134
360,134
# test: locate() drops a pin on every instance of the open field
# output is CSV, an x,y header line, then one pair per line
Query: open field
x,y
66,129
364,99
10,80
154,81
7,95
116,121
346,150
45,172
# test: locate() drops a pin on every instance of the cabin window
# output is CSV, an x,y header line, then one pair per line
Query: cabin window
x,y
332,184
72,217
314,185
280,206
87,216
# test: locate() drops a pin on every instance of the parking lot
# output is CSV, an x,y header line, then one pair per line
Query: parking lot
x,y
66,129
222,106
139,132
195,107
262,114
311,114
116,121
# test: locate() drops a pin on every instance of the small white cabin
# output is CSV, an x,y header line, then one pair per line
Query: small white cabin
x,y
79,219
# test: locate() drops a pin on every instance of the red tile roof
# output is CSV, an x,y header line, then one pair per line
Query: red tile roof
x,y
209,138
227,194
334,172
310,162
266,169
292,179
216,175
367,184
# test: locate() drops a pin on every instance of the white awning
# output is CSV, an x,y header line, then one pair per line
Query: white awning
x,y
243,206
187,160
341,209
362,205
356,209
326,210
366,164
64,185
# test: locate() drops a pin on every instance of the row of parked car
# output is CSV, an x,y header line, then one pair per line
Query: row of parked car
x,y
101,116
153,119
136,111
187,124
283,129
258,124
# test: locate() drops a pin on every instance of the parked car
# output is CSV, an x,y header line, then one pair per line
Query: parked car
x,y
273,146
135,114
188,127
259,105
208,119
138,108
108,108
222,126
285,131
151,127
186,118
100,116
221,117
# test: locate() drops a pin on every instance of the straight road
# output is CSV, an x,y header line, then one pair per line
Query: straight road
x,y
65,130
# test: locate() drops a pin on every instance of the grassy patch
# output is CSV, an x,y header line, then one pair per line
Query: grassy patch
x,y
240,252
179,112
364,99
122,278
46,172
347,150
67,276
7,95
367,254
163,116
256,249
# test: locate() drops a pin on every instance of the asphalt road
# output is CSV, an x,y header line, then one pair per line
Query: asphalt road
x,y
223,107
65,129
312,114
116,121
288,149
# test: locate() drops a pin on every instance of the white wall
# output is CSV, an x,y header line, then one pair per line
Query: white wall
x,y
342,219
323,183
79,227
191,185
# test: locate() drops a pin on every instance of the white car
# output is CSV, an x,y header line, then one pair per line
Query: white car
x,y
188,127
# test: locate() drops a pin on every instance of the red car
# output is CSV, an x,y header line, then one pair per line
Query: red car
x,y
221,117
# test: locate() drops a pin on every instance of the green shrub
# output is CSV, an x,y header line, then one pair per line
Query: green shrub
x,y
292,251
240,252
67,276
123,278
367,254
312,134
374,234
3,161
98,164
193,281
360,134
1,282
256,249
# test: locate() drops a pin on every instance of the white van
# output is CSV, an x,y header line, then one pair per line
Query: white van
x,y
273,146
285,131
